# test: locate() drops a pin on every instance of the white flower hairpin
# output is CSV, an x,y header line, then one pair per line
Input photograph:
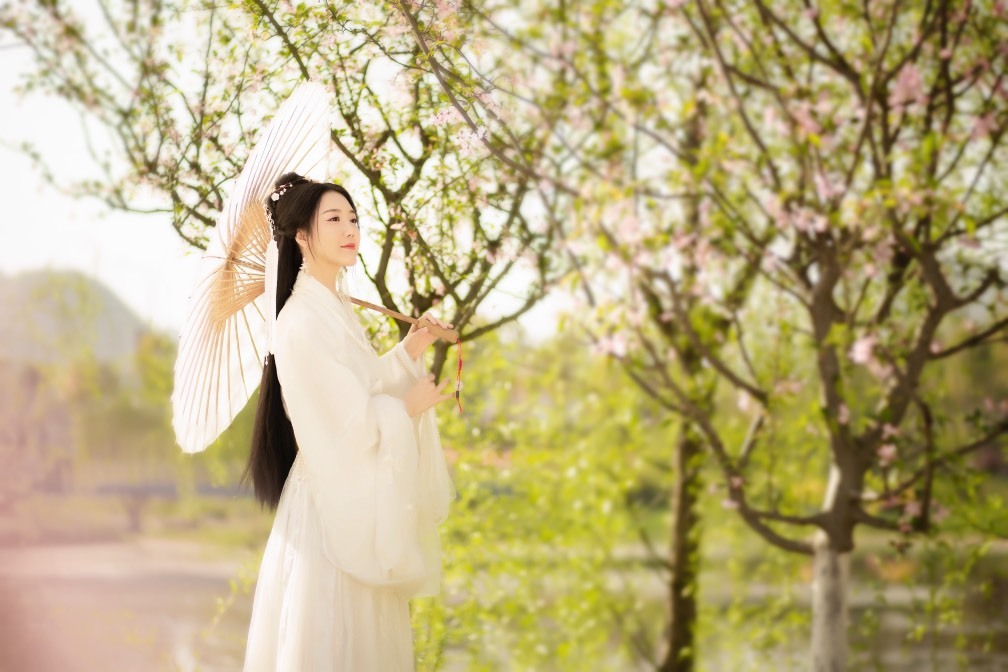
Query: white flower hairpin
x,y
280,191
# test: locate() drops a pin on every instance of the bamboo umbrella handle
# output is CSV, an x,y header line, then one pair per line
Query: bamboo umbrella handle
x,y
450,335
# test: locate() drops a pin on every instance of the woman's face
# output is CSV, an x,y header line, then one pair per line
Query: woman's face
x,y
335,239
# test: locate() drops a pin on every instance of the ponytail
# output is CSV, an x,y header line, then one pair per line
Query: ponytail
x,y
273,446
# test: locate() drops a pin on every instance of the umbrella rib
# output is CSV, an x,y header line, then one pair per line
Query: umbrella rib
x,y
190,359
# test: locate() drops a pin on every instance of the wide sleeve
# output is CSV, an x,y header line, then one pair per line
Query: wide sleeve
x,y
399,371
361,459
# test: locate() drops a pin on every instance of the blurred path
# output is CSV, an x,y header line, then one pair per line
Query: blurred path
x,y
142,605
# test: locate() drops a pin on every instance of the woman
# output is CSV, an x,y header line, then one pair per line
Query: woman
x,y
345,448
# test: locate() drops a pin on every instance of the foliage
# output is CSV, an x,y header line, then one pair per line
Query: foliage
x,y
546,459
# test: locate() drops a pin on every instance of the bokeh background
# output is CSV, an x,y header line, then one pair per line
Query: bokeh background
x,y
730,278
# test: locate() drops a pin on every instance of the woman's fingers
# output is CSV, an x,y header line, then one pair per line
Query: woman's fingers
x,y
444,397
440,323
439,389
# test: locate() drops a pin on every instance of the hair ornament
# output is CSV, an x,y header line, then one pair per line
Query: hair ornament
x,y
279,191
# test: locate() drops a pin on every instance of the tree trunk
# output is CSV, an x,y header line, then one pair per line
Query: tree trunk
x,y
830,573
684,555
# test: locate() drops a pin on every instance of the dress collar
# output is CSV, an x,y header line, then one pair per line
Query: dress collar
x,y
309,284
314,291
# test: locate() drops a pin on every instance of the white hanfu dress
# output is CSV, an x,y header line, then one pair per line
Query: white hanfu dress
x,y
356,529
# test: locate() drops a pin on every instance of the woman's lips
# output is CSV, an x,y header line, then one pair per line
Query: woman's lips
x,y
349,247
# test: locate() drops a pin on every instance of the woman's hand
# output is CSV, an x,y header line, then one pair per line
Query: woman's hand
x,y
425,394
418,340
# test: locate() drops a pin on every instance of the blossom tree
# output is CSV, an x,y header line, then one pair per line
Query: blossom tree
x,y
624,139
874,154
840,168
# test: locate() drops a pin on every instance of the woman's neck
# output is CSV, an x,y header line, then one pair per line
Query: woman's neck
x,y
325,276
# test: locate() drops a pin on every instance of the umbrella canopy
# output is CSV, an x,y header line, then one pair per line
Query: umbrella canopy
x,y
223,343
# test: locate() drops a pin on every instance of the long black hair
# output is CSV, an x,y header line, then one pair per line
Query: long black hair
x,y
273,446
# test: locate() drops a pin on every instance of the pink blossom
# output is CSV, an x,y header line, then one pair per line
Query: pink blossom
x,y
770,261
882,252
469,141
823,105
879,370
861,351
446,7
743,402
789,386
939,513
611,345
729,504
912,508
910,200
945,54
771,120
983,126
777,213
886,454
704,212
448,115
908,88
806,123
825,188
809,221
736,482
843,414
679,241
636,315
487,100
702,253
629,229
564,49
889,431
640,260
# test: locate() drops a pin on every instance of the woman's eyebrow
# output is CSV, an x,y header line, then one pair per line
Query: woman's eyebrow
x,y
335,210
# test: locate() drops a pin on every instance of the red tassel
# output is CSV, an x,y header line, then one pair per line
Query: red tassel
x,y
458,376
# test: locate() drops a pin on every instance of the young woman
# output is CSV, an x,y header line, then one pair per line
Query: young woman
x,y
345,449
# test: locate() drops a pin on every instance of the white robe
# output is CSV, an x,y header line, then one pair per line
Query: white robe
x,y
356,529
